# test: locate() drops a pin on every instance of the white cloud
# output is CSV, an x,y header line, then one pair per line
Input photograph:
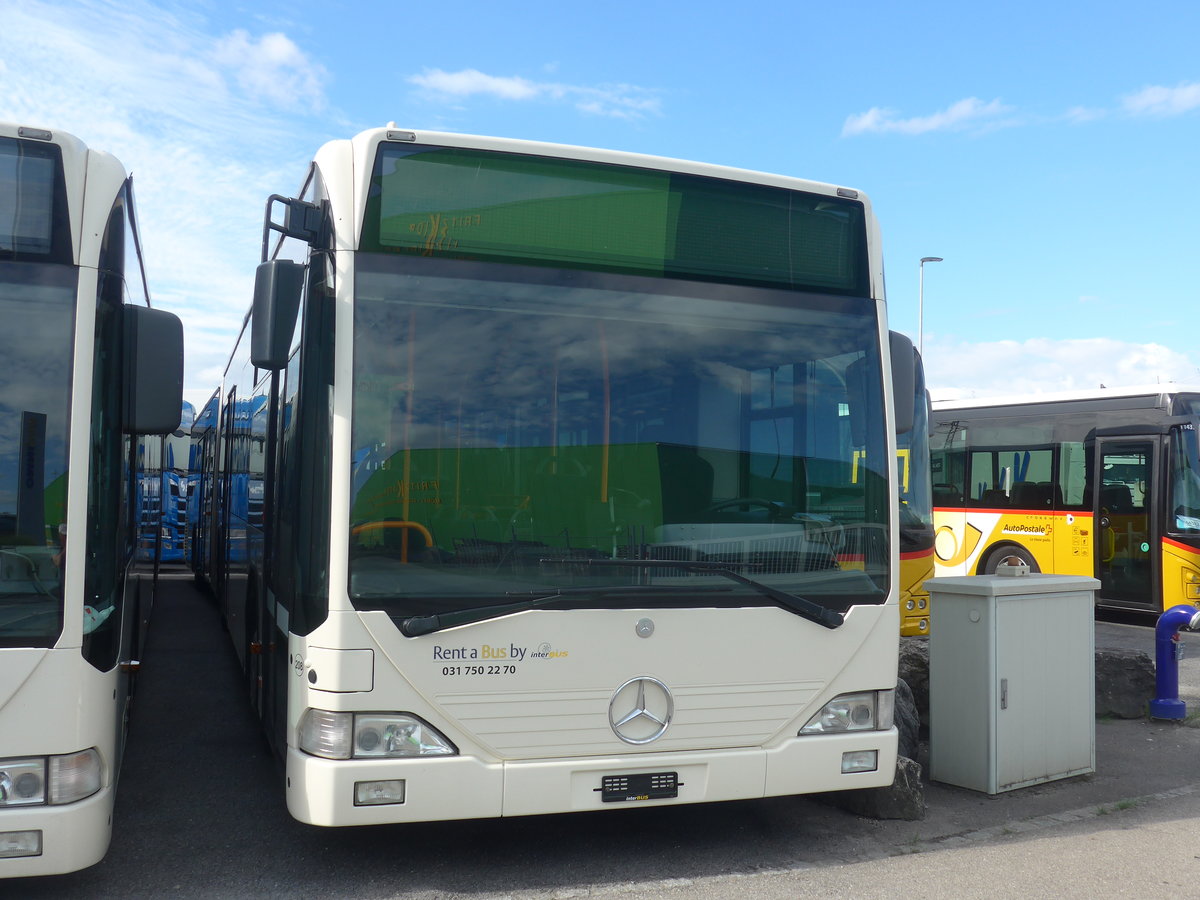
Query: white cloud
x,y
1163,101
970,114
623,101
973,115
207,134
964,370
272,68
471,81
1080,115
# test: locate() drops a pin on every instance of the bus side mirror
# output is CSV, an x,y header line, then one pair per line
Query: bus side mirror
x,y
153,370
904,380
277,287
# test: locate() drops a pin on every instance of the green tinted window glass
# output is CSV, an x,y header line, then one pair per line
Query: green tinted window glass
x,y
486,205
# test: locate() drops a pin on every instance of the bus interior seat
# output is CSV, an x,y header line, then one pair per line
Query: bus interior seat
x,y
994,497
946,495
1056,494
1033,495
1116,498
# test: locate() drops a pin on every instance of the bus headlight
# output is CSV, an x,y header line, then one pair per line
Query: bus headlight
x,y
397,735
22,782
866,711
1191,585
343,735
55,780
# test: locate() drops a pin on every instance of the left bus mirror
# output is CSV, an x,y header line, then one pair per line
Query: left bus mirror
x,y
904,381
277,287
153,370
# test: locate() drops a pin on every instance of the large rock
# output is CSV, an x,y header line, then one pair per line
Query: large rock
x,y
905,799
1124,683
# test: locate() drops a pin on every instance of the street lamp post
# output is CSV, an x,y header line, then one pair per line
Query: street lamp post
x,y
921,301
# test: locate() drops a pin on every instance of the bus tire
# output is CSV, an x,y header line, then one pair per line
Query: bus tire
x,y
1002,555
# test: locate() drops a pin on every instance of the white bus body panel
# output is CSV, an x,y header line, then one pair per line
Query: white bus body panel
x,y
533,731
55,703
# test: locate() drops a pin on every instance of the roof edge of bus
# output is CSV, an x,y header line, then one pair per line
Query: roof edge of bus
x,y
628,157
1145,390
43,133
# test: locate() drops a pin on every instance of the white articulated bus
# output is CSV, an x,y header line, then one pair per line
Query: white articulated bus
x,y
87,365
570,487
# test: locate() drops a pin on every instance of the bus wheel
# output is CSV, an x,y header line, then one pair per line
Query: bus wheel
x,y
1003,556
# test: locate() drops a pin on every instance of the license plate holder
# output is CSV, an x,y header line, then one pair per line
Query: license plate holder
x,y
643,786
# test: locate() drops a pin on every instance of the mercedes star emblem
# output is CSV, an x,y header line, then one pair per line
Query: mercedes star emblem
x,y
641,710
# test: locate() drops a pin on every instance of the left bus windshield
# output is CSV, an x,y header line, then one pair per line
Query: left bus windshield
x,y
511,423
36,307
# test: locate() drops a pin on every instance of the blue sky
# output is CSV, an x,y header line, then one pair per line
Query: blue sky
x,y
1048,152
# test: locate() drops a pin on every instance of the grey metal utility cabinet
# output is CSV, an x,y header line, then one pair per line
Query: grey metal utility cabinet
x,y
1012,684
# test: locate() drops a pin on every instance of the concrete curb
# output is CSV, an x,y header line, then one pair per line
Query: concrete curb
x,y
1036,823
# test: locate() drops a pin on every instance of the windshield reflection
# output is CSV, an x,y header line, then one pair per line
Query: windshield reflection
x,y
503,428
36,307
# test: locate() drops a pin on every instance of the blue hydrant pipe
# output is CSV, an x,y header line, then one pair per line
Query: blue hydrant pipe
x,y
1167,704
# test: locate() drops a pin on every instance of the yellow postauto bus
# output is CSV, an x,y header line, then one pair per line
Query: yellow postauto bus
x,y
1103,483
915,513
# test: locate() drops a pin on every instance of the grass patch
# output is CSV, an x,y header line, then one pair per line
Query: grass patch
x,y
1120,806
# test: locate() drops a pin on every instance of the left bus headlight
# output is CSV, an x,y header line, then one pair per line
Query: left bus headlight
x,y
865,711
343,735
53,780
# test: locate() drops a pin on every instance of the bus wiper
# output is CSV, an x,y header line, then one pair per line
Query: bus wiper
x,y
418,625
801,606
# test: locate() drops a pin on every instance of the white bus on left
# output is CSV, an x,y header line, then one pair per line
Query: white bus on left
x,y
88,366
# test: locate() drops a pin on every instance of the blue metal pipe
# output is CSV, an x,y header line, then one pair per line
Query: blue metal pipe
x,y
1167,705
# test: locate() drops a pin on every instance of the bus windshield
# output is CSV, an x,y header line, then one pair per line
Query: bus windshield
x,y
37,308
511,423
1184,502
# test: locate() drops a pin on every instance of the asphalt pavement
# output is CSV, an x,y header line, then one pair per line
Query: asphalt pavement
x,y
200,813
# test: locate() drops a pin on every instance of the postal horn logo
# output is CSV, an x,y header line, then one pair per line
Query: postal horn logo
x,y
640,710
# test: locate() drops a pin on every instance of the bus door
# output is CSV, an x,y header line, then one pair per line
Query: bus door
x,y
1126,532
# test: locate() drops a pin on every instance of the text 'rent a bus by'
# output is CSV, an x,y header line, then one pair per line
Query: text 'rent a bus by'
x,y
88,366
547,479
1102,483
